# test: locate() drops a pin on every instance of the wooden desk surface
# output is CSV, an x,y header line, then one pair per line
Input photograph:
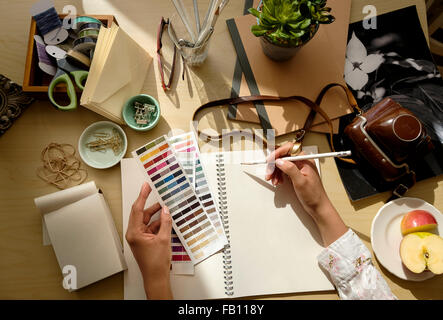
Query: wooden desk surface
x,y
29,270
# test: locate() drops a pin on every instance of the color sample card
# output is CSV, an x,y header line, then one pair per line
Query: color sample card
x,y
188,154
189,219
181,262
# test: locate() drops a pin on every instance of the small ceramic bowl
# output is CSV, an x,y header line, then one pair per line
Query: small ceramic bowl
x,y
105,158
129,112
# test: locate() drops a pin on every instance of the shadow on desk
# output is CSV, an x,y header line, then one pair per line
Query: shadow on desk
x,y
150,85
181,74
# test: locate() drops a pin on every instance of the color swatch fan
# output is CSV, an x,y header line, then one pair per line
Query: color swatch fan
x,y
188,154
167,178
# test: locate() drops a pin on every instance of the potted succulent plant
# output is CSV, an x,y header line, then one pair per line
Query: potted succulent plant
x,y
284,26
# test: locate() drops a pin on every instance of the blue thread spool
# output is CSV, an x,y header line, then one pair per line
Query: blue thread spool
x,y
48,23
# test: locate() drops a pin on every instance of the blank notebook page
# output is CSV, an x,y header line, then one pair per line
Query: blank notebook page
x,y
274,243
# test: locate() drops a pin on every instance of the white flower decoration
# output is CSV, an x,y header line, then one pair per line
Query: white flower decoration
x,y
377,94
358,63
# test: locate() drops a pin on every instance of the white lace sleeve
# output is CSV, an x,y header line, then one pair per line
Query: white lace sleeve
x,y
349,263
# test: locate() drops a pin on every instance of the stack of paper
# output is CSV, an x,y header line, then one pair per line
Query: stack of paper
x,y
118,71
82,231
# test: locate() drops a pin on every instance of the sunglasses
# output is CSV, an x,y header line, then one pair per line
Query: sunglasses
x,y
161,27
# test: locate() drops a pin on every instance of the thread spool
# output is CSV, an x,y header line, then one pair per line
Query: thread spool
x,y
85,44
55,52
78,59
80,21
44,61
90,25
93,33
48,22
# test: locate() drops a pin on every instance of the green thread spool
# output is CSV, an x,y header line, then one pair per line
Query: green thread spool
x,y
88,33
80,21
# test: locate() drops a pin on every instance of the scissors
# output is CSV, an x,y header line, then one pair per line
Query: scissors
x,y
64,71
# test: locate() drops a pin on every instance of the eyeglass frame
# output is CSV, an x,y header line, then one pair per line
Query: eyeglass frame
x,y
161,27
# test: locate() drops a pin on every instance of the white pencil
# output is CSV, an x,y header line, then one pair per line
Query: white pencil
x,y
184,17
307,157
207,23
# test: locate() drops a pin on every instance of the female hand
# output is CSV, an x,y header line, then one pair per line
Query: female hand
x,y
309,190
151,245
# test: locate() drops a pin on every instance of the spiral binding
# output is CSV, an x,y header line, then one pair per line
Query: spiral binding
x,y
223,209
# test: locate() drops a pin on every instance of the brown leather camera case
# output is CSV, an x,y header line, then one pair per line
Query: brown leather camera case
x,y
390,138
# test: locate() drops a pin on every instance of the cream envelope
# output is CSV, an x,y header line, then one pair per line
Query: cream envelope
x,y
118,71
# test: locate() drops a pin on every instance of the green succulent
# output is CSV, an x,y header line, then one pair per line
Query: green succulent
x,y
290,22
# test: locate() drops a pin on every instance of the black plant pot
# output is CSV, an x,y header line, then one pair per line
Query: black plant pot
x,y
282,53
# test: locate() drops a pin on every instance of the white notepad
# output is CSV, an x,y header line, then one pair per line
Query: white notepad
x,y
60,199
84,236
274,244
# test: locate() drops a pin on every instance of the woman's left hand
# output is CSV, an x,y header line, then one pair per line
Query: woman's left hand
x,y
151,245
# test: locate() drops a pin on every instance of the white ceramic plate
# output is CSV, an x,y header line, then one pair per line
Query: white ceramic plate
x,y
386,235
99,159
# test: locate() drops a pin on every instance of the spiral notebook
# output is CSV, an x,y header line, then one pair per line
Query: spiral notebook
x,y
273,243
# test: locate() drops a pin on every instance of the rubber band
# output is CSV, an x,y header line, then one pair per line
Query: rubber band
x,y
60,166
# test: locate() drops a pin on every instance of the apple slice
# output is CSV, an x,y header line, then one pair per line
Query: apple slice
x,y
417,221
422,250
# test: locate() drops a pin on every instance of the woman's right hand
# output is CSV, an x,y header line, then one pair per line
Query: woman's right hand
x,y
304,177
309,190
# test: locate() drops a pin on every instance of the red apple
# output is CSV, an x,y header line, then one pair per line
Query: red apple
x,y
416,221
420,251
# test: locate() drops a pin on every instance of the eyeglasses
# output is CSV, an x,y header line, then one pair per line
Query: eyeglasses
x,y
166,86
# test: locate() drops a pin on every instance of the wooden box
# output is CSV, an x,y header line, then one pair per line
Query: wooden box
x,y
35,80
